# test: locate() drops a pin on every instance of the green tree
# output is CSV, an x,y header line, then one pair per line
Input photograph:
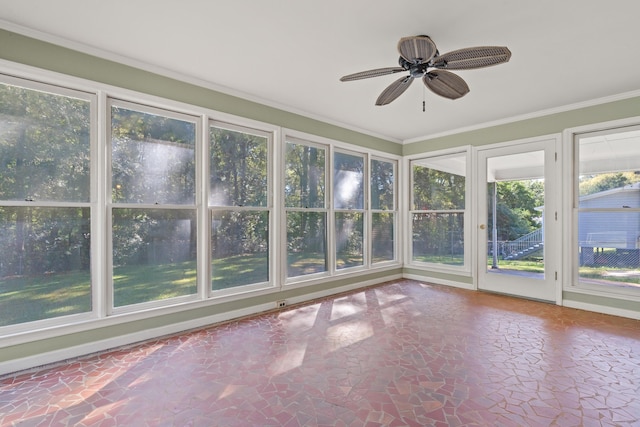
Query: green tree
x,y
382,185
438,233
238,178
518,207
44,157
153,158
305,188
591,184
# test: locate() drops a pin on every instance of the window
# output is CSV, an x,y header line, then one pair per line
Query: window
x,y
383,206
438,210
239,205
348,204
153,204
45,210
607,208
109,206
305,208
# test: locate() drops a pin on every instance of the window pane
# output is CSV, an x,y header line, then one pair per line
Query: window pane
x,y
306,243
382,237
608,160
44,263
609,163
609,238
153,158
349,227
239,248
348,185
382,185
304,182
154,254
435,189
609,247
238,171
438,238
44,146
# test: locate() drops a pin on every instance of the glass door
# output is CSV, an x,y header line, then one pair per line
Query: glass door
x,y
518,228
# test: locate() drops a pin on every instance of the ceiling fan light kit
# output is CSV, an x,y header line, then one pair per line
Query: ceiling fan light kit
x,y
420,57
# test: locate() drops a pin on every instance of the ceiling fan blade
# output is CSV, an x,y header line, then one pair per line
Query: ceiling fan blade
x,y
417,49
394,90
473,57
446,84
371,73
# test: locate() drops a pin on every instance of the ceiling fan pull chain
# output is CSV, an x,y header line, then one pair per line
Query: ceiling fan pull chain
x,y
424,108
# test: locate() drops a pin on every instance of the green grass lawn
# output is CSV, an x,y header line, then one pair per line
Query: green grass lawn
x,y
440,259
136,284
239,270
300,263
520,265
30,298
620,275
25,299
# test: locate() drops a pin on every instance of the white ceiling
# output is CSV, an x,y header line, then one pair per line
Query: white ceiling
x,y
291,53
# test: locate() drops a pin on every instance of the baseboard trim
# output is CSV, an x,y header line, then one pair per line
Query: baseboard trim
x,y
38,361
620,312
437,281
341,289
52,357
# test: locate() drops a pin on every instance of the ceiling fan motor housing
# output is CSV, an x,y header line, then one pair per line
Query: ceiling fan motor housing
x,y
416,69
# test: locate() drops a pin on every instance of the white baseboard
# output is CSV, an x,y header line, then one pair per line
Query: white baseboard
x,y
437,281
52,357
602,309
596,308
341,289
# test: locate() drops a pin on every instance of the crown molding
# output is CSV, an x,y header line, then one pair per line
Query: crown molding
x,y
522,117
162,71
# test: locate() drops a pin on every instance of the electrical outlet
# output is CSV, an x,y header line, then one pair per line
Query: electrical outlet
x,y
281,304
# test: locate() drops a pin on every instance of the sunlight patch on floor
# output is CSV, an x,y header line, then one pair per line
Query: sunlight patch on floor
x,y
229,390
291,359
346,334
299,319
348,306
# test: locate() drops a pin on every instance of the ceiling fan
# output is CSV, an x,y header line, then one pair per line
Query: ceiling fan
x,y
420,57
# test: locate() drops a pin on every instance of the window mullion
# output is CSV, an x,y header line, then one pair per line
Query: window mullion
x,y
101,180
203,260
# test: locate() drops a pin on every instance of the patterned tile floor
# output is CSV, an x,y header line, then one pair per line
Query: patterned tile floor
x,y
400,354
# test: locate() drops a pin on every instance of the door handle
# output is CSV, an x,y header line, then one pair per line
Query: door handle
x,y
482,226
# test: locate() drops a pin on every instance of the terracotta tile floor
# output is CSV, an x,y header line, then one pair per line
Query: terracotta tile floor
x,y
400,354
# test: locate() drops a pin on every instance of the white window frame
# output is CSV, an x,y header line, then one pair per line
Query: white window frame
x,y
96,268
466,268
271,283
331,146
110,206
372,211
363,211
571,282
101,315
287,138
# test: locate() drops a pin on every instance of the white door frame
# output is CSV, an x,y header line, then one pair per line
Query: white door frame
x,y
550,288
